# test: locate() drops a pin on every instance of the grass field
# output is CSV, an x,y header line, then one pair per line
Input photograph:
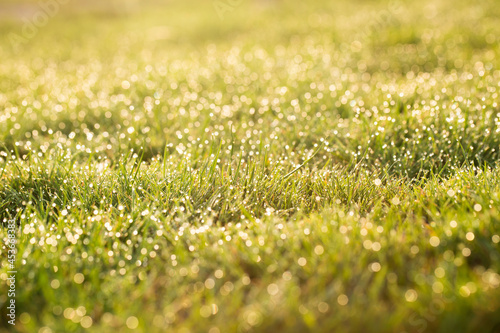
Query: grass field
x,y
251,166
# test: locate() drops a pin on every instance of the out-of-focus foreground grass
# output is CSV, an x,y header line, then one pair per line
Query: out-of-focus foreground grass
x,y
233,166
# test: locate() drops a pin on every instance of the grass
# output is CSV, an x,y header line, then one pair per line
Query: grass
x,y
293,166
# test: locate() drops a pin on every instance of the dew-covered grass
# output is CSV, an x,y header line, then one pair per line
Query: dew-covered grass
x,y
327,166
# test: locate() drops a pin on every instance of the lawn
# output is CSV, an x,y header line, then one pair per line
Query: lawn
x,y
250,166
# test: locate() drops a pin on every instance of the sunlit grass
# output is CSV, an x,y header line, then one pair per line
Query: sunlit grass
x,y
293,166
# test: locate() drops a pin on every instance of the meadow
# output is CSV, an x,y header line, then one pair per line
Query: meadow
x,y
250,166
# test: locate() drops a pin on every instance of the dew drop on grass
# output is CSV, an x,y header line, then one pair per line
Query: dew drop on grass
x,y
411,295
342,299
78,278
395,201
375,267
302,261
273,289
132,322
319,250
323,307
434,241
